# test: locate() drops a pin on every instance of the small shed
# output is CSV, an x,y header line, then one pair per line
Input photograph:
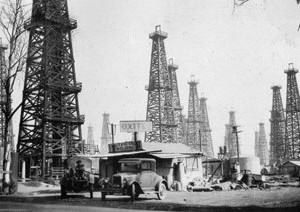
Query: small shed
x,y
291,167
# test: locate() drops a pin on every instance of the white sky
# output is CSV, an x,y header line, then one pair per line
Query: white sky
x,y
236,57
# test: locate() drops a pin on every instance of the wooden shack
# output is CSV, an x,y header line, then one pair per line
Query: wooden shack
x,y
175,162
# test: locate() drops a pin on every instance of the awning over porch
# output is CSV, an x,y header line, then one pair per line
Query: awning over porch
x,y
118,154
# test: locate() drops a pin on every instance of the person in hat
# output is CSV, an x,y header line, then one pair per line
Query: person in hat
x,y
79,169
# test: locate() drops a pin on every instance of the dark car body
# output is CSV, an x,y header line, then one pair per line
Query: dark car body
x,y
135,176
77,177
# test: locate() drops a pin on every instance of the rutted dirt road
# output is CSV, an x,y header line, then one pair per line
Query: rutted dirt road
x,y
273,199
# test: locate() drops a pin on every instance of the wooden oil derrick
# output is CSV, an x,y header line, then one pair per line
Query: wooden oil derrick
x,y
206,140
106,137
277,122
193,120
292,126
50,123
160,108
179,134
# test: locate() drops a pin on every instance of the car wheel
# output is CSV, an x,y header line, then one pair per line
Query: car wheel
x,y
133,193
162,191
103,196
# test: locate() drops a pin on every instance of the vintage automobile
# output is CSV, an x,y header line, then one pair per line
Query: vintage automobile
x,y
135,176
77,176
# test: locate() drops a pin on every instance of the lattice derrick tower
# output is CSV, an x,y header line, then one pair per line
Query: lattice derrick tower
x,y
50,123
90,136
3,100
226,137
105,136
292,125
205,130
179,135
230,139
277,121
262,151
256,144
193,121
90,147
160,108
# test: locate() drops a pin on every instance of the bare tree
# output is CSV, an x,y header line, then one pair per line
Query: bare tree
x,y
12,18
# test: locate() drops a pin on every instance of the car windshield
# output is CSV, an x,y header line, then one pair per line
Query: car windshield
x,y
130,167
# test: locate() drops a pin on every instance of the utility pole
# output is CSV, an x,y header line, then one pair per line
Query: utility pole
x,y
113,126
235,131
221,155
200,140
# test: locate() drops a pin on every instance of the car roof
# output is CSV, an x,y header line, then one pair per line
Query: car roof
x,y
136,159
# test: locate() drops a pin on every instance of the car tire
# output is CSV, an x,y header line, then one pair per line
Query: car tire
x,y
103,196
162,191
132,193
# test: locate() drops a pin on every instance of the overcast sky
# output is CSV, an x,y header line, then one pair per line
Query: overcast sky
x,y
236,56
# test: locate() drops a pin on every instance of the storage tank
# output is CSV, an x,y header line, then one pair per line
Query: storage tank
x,y
248,163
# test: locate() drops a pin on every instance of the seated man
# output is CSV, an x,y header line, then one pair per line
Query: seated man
x,y
79,170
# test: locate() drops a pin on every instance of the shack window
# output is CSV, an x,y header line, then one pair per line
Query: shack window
x,y
146,165
192,164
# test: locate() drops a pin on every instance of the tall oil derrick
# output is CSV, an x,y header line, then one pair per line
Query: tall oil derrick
x,y
179,134
90,136
90,147
277,121
256,144
226,137
184,123
160,108
50,123
193,121
262,147
105,136
206,141
230,137
2,91
292,125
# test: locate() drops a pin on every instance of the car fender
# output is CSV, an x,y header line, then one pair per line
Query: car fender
x,y
161,181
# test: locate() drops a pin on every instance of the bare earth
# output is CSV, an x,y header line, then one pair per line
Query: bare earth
x,y
273,199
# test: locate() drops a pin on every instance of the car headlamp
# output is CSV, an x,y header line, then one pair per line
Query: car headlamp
x,y
124,184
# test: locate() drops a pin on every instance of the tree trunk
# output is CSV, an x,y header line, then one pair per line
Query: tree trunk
x,y
6,169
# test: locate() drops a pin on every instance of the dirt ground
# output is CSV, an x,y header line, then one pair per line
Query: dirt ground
x,y
277,198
